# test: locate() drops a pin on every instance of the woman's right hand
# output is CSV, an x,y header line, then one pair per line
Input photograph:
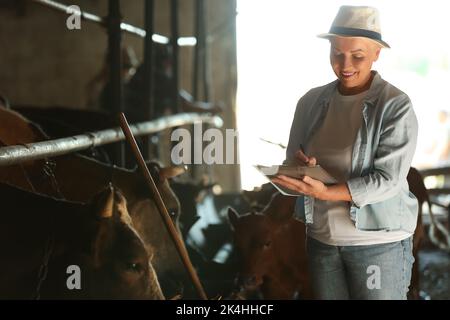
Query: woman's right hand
x,y
304,160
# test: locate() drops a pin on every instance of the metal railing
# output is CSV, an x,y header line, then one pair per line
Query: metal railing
x,y
182,41
10,155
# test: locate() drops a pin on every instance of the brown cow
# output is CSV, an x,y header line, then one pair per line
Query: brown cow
x,y
65,177
98,238
272,250
142,208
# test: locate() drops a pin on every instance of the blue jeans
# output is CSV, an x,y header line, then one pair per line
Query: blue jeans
x,y
373,272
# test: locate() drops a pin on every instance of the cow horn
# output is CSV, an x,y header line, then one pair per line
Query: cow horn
x,y
170,172
106,203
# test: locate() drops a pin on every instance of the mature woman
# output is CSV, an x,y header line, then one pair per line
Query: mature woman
x,y
363,131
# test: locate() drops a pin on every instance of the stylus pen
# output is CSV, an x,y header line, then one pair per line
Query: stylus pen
x,y
302,149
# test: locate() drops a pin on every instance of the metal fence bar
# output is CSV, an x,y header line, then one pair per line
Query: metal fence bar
x,y
115,70
435,171
148,65
174,25
182,41
33,151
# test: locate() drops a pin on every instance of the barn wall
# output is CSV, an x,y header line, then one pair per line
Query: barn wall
x,y
42,63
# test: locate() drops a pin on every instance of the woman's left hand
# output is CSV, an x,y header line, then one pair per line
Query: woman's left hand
x,y
308,186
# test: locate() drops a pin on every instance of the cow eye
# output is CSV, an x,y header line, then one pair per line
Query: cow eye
x,y
134,266
267,244
173,213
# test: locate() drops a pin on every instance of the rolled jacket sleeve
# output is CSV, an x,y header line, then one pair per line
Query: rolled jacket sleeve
x,y
393,155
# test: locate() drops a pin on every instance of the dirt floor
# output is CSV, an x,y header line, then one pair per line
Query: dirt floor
x,y
434,274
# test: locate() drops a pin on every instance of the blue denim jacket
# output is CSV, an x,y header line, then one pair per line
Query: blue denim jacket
x,y
381,158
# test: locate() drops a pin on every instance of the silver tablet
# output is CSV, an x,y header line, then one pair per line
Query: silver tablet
x,y
296,171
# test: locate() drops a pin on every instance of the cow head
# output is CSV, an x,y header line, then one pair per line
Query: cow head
x,y
161,176
148,223
117,264
258,240
259,197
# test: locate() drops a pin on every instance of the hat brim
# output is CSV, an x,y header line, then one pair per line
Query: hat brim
x,y
331,35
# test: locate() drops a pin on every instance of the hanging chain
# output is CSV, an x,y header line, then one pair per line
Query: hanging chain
x,y
48,169
43,269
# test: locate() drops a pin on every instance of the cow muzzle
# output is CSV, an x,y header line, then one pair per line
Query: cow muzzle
x,y
249,282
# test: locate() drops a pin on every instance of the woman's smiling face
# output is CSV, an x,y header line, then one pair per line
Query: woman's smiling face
x,y
351,59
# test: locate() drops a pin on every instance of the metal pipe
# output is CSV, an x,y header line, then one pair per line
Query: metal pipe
x,y
435,171
438,191
147,94
183,41
115,69
196,66
64,8
33,151
204,53
148,61
179,244
174,44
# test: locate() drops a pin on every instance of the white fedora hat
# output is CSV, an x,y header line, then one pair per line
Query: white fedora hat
x,y
356,21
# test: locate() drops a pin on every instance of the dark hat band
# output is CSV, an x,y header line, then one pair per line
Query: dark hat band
x,y
356,32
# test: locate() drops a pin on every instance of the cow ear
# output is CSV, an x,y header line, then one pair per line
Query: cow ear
x,y
280,208
170,172
120,205
103,203
233,217
161,174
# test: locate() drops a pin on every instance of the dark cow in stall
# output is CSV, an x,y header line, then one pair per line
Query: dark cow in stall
x,y
272,252
65,177
97,239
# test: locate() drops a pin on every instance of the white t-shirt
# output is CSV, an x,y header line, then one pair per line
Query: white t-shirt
x,y
332,145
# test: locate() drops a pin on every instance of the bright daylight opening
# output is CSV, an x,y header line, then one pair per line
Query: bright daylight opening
x,y
280,59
